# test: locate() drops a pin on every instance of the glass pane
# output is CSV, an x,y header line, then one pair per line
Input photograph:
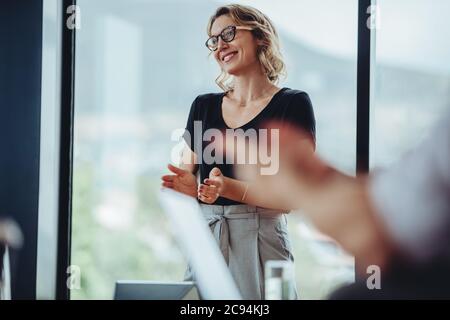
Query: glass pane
x,y
319,44
139,66
412,75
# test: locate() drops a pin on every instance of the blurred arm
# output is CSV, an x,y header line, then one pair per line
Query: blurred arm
x,y
412,197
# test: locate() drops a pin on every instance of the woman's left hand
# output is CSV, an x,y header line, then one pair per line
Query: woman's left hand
x,y
212,188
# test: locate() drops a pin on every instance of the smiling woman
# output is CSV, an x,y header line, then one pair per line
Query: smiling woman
x,y
126,110
266,51
253,224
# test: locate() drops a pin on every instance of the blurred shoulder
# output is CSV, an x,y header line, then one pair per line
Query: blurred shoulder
x,y
297,95
208,97
206,106
297,99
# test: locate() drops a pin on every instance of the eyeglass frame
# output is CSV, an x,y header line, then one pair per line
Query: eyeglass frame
x,y
235,28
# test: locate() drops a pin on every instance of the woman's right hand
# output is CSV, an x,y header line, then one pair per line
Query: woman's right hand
x,y
182,181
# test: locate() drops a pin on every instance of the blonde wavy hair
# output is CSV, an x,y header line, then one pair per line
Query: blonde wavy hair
x,y
268,53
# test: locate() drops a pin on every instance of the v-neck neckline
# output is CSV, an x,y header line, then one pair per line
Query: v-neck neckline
x,y
255,117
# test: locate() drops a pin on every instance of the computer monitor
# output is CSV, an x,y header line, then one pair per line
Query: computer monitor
x,y
155,290
213,279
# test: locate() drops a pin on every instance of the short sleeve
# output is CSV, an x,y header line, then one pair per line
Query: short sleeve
x,y
301,114
188,135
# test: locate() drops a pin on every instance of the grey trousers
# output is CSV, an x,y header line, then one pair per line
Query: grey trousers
x,y
248,236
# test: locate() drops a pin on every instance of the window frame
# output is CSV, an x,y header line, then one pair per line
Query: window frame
x,y
68,46
66,153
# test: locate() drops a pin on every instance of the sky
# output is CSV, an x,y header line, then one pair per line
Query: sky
x,y
412,34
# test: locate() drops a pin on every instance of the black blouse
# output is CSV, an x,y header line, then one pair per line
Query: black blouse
x,y
287,106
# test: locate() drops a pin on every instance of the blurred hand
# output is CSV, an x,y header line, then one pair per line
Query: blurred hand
x,y
337,204
182,181
212,188
299,168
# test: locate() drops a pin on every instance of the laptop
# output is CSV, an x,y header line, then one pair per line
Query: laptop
x,y
155,290
213,279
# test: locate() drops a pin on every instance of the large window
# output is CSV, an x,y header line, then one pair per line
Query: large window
x,y
139,66
412,75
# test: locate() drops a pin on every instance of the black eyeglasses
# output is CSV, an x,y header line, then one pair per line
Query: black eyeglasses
x,y
227,35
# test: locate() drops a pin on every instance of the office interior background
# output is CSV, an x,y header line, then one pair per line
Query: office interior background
x,y
138,65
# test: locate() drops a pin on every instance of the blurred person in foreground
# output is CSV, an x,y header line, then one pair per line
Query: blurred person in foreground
x,y
397,219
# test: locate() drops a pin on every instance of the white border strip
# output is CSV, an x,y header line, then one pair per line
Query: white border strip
x,y
49,151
